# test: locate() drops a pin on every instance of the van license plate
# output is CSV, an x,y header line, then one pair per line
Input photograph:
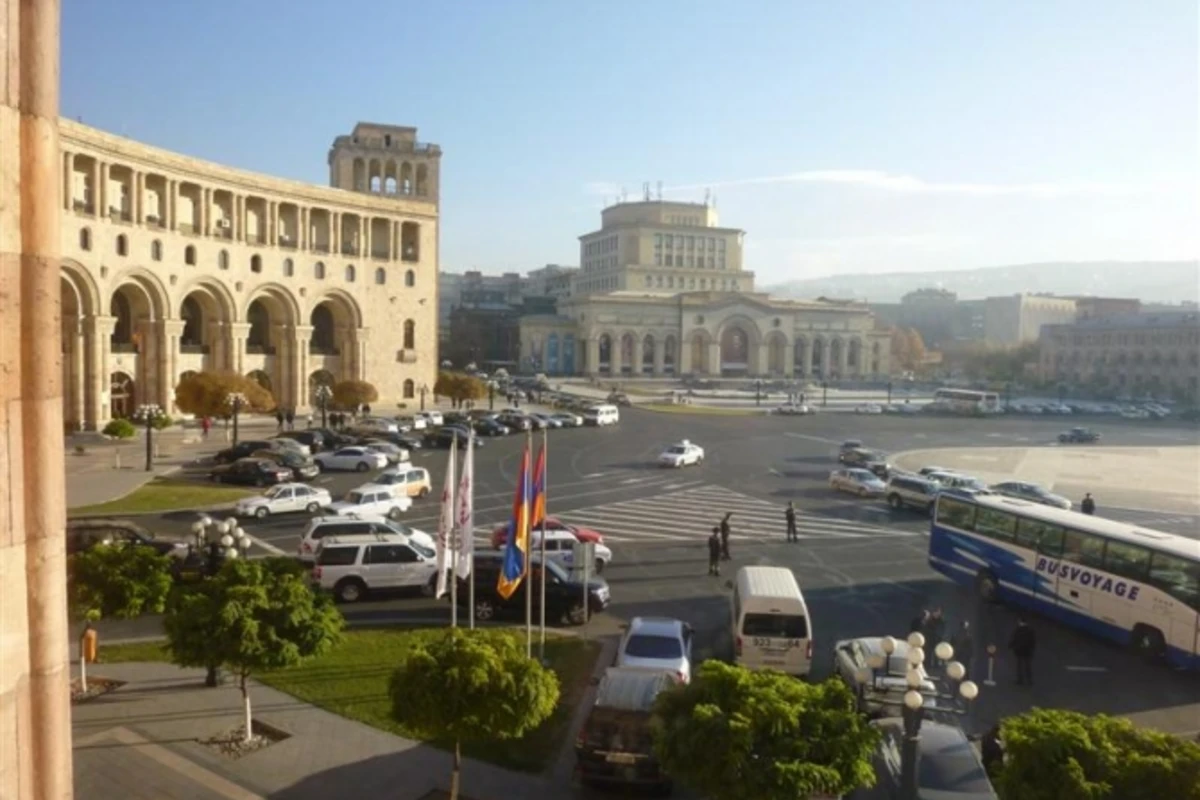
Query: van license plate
x,y
622,758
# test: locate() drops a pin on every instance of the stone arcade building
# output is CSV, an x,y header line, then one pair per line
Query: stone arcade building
x,y
662,292
173,265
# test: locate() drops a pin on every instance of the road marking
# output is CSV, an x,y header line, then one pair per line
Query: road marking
x,y
1087,669
631,480
270,548
595,475
775,472
811,438
671,486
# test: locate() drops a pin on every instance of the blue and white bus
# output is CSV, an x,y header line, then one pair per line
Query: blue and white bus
x,y
1132,585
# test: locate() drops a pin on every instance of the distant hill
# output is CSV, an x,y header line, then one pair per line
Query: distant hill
x,y
1150,281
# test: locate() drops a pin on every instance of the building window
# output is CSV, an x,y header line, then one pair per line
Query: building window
x,y
410,278
380,276
350,274
223,259
156,250
289,268
319,270
711,262
256,263
122,245
410,389
85,239
189,255
649,280
410,334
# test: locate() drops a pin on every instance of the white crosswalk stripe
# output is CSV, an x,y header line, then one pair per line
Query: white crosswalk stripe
x,y
689,514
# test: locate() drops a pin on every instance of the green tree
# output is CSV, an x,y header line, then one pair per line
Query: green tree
x,y
118,581
471,686
447,384
1051,754
353,394
120,429
205,394
733,734
251,616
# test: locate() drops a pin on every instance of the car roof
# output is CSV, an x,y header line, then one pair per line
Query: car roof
x,y
355,539
668,626
631,688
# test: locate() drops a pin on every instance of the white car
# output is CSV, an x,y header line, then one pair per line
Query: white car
x,y
431,417
371,500
288,445
658,643
793,409
353,459
568,420
954,480
681,454
377,424
869,408
284,498
321,527
395,453
560,547
411,423
886,677
856,480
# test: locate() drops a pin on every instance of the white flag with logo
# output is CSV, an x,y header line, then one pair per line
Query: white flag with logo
x,y
466,510
445,533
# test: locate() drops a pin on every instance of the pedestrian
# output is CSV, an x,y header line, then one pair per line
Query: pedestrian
x,y
963,643
279,418
714,552
920,623
205,427
366,409
937,628
991,751
291,420
1088,506
310,419
790,515
1022,643
725,537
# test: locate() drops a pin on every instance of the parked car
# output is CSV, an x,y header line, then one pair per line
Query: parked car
x,y
856,480
313,439
547,420
487,426
564,593
355,459
432,417
285,498
326,525
615,744
373,424
302,467
793,410
911,491
500,532
568,420
86,533
1079,436
948,766
371,500
352,567
406,480
394,453
871,460
444,436
659,643
1023,490
515,420
251,472
886,676
245,448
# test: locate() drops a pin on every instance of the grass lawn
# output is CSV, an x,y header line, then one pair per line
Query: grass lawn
x,y
716,411
167,494
353,679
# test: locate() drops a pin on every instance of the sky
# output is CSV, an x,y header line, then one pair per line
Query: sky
x,y
842,137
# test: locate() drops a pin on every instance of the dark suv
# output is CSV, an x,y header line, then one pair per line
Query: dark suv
x,y
252,472
86,533
241,450
871,460
564,591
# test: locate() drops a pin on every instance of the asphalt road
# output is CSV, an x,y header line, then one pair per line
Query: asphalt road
x,y
862,567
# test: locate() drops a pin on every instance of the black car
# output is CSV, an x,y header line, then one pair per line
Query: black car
x,y
314,439
616,743
517,422
948,767
331,439
486,426
871,460
405,440
252,472
302,467
564,592
84,534
443,436
1079,436
242,450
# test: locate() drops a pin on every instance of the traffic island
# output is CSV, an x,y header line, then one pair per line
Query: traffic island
x,y
233,743
692,408
165,494
96,687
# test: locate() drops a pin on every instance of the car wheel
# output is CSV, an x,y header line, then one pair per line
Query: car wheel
x,y
895,502
1149,643
394,512
577,614
599,565
430,587
261,512
350,590
424,492
484,610
987,587
312,508
362,466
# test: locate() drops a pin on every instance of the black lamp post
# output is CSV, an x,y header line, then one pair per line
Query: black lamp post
x,y
758,392
322,394
149,413
824,393
889,393
423,391
1062,393
235,401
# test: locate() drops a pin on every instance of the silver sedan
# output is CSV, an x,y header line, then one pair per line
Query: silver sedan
x,y
861,482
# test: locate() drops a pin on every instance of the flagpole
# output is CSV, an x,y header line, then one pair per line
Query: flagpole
x,y
542,547
528,590
471,533
453,539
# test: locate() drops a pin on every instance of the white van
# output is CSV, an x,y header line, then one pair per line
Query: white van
x,y
603,414
770,623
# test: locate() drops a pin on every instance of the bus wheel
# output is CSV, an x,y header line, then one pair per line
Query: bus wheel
x,y
987,586
1149,643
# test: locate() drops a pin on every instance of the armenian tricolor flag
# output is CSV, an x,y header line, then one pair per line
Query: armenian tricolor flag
x,y
537,512
516,550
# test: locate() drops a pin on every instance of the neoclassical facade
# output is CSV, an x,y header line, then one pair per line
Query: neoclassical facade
x,y
172,265
714,334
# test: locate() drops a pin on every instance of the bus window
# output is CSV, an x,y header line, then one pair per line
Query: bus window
x,y
956,514
996,524
1030,532
1051,543
1176,576
1127,560
1083,548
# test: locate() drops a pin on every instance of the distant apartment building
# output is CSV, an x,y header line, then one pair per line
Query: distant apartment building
x,y
930,312
1016,319
1087,307
1150,353
552,280
473,288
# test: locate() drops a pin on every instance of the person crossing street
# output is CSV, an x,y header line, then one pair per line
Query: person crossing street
x,y
790,515
1088,506
725,537
714,552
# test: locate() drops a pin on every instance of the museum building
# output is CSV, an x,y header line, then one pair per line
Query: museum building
x,y
662,291
172,265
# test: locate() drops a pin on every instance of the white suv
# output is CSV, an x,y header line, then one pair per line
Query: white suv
x,y
324,527
353,566
372,499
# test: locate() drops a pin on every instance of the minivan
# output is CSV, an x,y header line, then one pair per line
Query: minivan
x,y
770,622
603,414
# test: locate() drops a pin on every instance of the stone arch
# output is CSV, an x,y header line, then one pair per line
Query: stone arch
x,y
629,352
800,356
670,348
345,307
645,355
700,345
122,394
83,288
738,338
776,353
604,348
206,307
150,287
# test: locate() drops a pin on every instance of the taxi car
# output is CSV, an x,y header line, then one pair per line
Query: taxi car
x,y
284,498
681,454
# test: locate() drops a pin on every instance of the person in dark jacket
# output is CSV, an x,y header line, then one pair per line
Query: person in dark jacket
x,y
963,642
935,634
1088,506
789,514
920,623
290,417
279,418
714,552
991,750
1022,643
725,536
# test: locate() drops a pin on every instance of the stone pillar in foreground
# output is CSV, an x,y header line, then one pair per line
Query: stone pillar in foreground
x,y
35,713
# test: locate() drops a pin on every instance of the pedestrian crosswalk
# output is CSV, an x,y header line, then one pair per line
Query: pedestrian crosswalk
x,y
688,513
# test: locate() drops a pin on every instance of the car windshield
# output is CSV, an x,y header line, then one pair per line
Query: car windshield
x,y
645,646
776,626
861,475
355,498
275,491
675,450
953,769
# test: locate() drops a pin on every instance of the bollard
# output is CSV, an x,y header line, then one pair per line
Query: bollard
x,y
991,671
87,654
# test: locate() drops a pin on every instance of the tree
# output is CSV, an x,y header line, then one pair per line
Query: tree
x,y
251,616
354,394
120,429
119,581
205,394
446,384
733,734
1051,754
471,685
916,348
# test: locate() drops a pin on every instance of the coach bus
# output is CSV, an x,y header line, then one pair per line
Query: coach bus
x,y
1135,586
967,401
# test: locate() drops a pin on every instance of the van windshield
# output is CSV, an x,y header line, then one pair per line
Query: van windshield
x,y
775,626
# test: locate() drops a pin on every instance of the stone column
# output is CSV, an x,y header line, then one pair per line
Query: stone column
x,y
172,332
394,241
789,360
236,227
659,348
272,223
365,250
683,356
205,212
714,359
100,336
35,712
139,190
101,200
592,356
302,233
238,333
281,379
172,205
301,334
68,167
335,233
762,360
361,337
78,392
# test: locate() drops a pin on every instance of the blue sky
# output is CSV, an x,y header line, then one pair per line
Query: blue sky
x,y
843,137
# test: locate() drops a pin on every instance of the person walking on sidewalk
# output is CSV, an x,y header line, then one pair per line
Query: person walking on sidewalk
x,y
1088,506
790,515
714,552
279,418
1022,643
291,419
205,427
963,643
725,537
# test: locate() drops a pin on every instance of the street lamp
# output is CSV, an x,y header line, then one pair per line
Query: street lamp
x,y
758,392
824,393
491,384
217,542
149,413
423,391
889,388
323,394
235,401
915,699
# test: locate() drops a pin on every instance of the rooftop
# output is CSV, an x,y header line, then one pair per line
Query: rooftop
x,y
1158,319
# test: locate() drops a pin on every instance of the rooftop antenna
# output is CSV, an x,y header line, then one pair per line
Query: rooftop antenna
x,y
660,191
646,191
624,194
707,197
